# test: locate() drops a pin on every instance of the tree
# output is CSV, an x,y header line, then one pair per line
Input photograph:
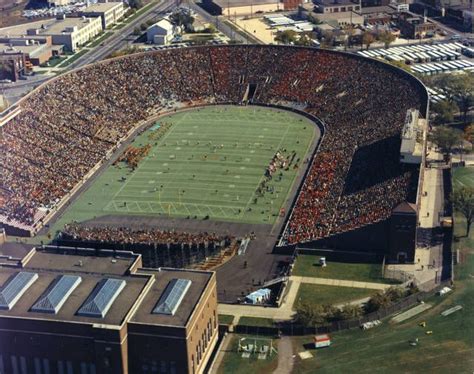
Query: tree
x,y
379,300
304,40
463,87
328,39
182,18
350,32
445,138
135,4
444,110
469,133
137,31
458,88
395,293
368,39
349,311
309,315
463,201
286,37
387,38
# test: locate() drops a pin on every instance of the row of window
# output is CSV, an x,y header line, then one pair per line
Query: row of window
x,y
25,365
161,367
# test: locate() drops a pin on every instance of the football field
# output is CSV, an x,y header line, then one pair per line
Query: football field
x,y
206,163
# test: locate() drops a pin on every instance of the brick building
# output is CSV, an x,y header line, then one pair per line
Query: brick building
x,y
66,310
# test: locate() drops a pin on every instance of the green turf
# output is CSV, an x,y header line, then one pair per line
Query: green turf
x,y
234,363
256,321
210,162
307,266
386,349
463,177
72,59
315,294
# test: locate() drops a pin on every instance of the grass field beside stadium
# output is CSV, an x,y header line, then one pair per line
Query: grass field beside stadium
x,y
463,177
386,349
209,163
308,266
315,294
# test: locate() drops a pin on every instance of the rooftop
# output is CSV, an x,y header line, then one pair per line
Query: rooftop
x,y
163,276
85,286
336,2
101,7
238,3
69,311
45,27
66,261
61,25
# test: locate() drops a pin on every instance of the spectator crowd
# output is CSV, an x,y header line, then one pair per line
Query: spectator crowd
x,y
73,122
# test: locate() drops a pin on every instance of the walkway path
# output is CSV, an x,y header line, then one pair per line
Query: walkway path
x,y
220,355
340,283
285,311
285,356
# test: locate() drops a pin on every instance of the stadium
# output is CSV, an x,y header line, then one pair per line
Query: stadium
x,y
193,156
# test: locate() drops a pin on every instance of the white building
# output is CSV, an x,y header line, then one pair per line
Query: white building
x,y
70,32
161,32
110,13
74,32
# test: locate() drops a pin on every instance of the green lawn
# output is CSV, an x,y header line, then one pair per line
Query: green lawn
x,y
386,349
234,363
255,321
307,266
54,61
100,39
315,294
70,60
463,176
134,16
209,163
225,319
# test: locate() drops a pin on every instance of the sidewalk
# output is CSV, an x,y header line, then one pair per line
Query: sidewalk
x,y
340,283
285,312
220,355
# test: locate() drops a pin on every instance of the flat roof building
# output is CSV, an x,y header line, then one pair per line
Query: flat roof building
x,y
242,7
109,13
65,310
71,32
336,6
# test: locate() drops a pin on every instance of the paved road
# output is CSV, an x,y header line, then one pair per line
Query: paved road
x,y
124,36
285,356
120,39
222,26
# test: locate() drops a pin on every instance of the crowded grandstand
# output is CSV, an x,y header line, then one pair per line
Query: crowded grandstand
x,y
73,123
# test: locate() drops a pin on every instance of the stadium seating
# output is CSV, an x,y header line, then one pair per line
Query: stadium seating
x,y
71,123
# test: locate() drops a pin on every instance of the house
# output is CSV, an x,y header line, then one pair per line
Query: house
x,y
161,32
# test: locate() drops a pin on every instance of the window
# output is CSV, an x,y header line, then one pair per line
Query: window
x,y
69,367
23,367
37,364
14,364
83,368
